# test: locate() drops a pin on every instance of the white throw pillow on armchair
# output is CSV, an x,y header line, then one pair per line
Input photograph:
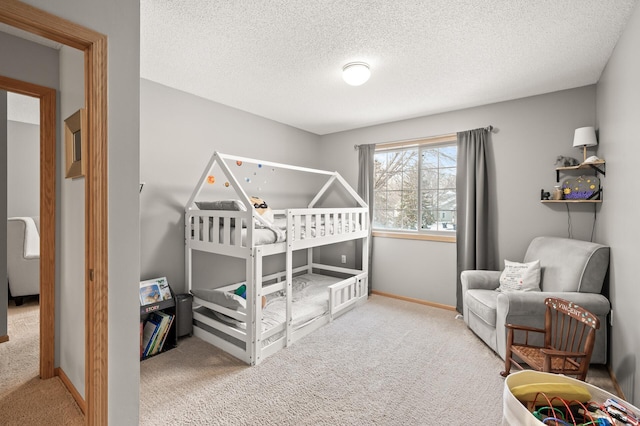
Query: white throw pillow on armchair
x,y
520,276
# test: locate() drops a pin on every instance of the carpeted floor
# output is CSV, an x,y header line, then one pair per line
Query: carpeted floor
x,y
388,362
25,399
19,357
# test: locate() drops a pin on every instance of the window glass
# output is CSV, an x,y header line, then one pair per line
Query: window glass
x,y
415,187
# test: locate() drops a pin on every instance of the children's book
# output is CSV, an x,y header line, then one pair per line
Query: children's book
x,y
155,290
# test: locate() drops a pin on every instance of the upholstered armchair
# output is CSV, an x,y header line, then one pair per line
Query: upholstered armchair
x,y
23,257
573,270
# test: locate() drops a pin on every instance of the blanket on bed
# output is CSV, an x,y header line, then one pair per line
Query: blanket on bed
x,y
310,300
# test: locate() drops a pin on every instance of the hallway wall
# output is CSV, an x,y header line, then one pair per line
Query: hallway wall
x,y
19,57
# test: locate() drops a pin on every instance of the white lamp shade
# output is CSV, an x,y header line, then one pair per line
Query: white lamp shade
x,y
356,73
585,136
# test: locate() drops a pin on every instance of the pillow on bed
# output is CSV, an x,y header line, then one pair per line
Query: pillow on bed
x,y
220,297
229,205
267,215
233,205
263,209
520,276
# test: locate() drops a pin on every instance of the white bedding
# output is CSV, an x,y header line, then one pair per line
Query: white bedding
x,y
278,232
310,301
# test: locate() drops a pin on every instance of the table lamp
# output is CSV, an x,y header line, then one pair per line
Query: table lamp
x,y
584,137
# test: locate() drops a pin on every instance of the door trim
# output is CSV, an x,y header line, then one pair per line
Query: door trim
x,y
94,46
47,97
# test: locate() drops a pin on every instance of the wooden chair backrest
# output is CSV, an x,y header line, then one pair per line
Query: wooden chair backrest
x,y
569,327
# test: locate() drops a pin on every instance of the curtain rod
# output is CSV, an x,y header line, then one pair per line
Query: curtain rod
x,y
488,128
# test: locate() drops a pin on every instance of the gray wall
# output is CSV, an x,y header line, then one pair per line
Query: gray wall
x,y
119,20
26,61
23,169
531,132
618,107
178,134
3,212
71,248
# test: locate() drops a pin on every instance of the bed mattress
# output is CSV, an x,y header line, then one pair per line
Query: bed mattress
x,y
310,301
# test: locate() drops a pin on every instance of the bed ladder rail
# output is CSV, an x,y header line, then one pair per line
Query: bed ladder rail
x,y
344,295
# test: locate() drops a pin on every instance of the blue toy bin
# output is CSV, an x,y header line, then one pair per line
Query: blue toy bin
x,y
515,413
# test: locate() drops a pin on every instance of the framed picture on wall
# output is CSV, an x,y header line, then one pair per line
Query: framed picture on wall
x,y
75,142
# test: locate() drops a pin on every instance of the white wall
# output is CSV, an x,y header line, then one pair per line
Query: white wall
x,y
26,61
531,133
178,134
119,20
23,169
618,106
4,297
71,247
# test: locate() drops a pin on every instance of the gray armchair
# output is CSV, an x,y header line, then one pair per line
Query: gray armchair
x,y
23,257
570,269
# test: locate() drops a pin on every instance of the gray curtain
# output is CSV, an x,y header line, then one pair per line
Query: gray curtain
x,y
365,190
474,236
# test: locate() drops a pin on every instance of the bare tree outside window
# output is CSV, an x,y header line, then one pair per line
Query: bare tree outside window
x,y
415,188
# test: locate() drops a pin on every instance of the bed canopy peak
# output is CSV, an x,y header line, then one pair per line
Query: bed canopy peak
x,y
231,181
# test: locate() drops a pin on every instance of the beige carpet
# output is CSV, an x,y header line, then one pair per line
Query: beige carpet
x,y
388,362
19,356
24,398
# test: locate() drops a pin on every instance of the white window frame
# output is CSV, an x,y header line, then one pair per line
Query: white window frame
x,y
429,235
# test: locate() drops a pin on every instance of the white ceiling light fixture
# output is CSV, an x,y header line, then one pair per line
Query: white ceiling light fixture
x,y
356,73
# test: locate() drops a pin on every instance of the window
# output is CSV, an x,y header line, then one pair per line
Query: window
x,y
415,187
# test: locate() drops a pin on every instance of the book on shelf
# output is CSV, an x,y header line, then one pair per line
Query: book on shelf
x,y
166,333
154,290
141,338
156,330
163,320
149,332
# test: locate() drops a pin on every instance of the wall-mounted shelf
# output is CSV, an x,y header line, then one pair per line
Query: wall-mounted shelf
x,y
570,201
597,166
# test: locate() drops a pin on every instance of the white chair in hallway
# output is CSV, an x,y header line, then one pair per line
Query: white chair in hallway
x,y
23,257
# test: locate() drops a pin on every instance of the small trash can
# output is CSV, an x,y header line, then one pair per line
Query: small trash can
x,y
184,315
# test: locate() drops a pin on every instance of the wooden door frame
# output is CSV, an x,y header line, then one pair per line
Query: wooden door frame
x,y
47,98
94,46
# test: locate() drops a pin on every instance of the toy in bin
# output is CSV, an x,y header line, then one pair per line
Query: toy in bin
x,y
537,398
570,404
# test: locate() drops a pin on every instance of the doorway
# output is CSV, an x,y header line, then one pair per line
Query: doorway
x,y
47,98
94,46
22,198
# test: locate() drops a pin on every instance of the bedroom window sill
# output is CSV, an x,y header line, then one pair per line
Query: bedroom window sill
x,y
415,236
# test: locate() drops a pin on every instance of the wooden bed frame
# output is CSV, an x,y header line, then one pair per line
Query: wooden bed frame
x,y
350,223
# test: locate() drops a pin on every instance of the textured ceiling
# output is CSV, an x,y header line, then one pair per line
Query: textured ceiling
x,y
282,59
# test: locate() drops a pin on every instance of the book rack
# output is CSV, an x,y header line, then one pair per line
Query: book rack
x,y
154,339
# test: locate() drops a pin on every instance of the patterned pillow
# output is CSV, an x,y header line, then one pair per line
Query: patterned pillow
x,y
520,276
263,209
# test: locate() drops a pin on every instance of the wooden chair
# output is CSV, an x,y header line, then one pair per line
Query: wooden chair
x,y
569,336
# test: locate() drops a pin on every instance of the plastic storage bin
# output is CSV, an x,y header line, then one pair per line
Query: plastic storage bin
x,y
514,413
184,314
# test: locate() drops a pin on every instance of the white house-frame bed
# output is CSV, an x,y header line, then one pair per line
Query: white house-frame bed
x,y
299,299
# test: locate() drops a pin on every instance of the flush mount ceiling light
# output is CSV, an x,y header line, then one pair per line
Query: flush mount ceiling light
x,y
356,73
